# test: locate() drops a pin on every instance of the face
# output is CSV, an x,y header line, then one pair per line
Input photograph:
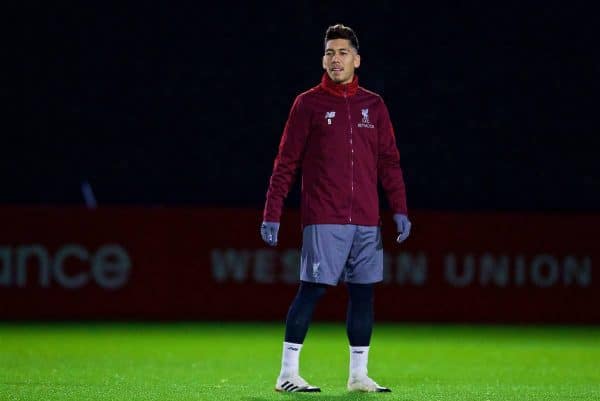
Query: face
x,y
340,60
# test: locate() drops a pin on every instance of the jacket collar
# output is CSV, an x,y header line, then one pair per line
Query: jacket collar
x,y
341,90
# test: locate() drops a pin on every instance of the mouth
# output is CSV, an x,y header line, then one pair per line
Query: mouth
x,y
336,69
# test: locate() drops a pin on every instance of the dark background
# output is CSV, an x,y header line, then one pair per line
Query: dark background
x,y
184,105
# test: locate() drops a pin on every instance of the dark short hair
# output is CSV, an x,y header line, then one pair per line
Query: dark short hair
x,y
341,31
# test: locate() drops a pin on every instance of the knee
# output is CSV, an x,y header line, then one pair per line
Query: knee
x,y
311,291
360,292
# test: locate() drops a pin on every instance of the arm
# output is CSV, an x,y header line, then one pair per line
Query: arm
x,y
390,174
287,162
388,165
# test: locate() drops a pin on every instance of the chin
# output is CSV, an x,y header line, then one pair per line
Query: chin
x,y
336,79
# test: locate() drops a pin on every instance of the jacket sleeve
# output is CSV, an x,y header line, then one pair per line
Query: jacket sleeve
x,y
388,164
289,157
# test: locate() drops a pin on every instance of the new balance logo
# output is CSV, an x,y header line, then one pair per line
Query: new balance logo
x,y
329,116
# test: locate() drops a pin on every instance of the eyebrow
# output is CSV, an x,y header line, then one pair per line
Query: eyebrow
x,y
329,49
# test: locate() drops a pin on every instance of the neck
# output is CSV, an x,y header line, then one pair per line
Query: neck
x,y
338,89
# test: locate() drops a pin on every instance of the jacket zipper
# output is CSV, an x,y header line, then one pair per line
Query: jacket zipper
x,y
351,155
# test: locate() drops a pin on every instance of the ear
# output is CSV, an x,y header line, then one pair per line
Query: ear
x,y
357,61
324,65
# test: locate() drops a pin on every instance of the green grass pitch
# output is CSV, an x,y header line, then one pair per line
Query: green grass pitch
x,y
240,361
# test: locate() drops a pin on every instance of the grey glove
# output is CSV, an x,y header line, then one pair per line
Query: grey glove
x,y
403,225
268,232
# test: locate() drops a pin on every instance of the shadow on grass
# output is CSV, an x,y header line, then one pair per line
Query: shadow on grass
x,y
325,397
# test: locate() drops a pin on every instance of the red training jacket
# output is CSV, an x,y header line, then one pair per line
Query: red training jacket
x,y
342,138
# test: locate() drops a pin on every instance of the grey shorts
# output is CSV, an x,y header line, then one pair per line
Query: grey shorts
x,y
334,252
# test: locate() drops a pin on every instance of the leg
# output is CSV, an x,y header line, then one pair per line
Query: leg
x,y
325,248
297,322
301,311
364,268
359,321
359,326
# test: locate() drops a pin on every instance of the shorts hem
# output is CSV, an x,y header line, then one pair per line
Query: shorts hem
x,y
320,282
363,281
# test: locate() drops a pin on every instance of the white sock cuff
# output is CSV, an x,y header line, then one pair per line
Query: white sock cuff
x,y
359,358
359,350
290,359
292,346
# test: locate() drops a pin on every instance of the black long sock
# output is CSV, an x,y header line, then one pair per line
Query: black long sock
x,y
300,313
359,320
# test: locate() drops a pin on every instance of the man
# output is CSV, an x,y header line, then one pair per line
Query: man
x,y
341,137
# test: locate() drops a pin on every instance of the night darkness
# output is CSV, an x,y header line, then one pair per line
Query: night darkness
x,y
493,106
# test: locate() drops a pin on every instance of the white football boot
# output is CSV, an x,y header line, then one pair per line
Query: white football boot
x,y
366,384
295,384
